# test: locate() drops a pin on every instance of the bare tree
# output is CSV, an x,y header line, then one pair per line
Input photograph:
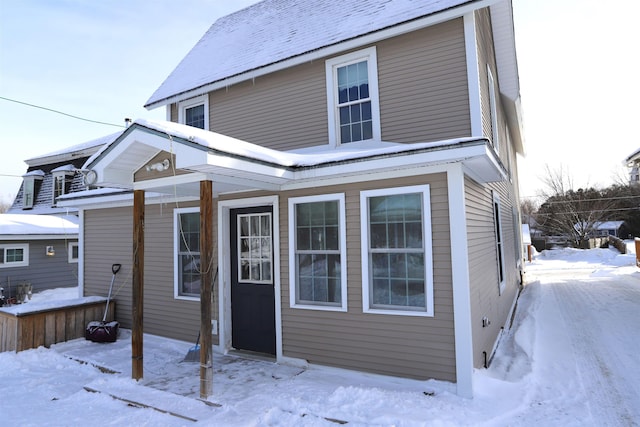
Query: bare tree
x,y
571,213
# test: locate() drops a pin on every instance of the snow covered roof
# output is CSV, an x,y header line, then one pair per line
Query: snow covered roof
x,y
272,31
84,149
236,165
13,225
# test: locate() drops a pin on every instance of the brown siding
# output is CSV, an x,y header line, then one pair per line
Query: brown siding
x,y
110,231
417,347
422,86
486,299
282,111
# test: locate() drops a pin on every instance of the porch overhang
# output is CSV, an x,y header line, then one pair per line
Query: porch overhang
x,y
234,165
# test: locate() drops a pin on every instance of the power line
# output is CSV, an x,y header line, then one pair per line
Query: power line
x,y
60,112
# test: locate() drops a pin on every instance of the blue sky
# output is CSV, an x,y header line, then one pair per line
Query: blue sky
x,y
102,61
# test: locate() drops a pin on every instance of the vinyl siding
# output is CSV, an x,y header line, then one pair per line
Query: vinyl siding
x,y
486,299
43,272
416,347
422,87
110,231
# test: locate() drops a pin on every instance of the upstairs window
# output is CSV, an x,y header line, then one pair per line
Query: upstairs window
x,y
29,188
194,112
352,97
493,104
15,255
62,178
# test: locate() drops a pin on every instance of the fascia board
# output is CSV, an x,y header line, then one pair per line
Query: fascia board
x,y
27,237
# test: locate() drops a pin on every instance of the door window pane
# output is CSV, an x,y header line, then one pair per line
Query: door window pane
x,y
255,258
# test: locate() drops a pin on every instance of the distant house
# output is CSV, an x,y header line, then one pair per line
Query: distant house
x,y
633,163
39,251
38,238
352,183
605,228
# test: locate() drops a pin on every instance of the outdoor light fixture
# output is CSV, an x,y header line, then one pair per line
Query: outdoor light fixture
x,y
50,251
158,167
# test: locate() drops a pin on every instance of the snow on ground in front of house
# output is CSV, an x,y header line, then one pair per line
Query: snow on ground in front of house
x,y
570,359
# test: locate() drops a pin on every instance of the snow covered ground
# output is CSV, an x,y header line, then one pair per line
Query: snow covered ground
x,y
570,359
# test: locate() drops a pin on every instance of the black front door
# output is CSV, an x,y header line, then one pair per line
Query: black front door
x,y
252,287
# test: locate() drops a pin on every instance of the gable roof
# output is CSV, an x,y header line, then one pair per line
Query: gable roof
x,y
273,31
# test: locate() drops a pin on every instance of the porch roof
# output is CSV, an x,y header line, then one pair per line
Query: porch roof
x,y
236,165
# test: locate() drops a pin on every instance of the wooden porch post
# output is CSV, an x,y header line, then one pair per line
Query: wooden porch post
x,y
206,276
138,284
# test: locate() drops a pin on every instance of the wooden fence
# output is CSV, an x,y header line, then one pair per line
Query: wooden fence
x,y
23,330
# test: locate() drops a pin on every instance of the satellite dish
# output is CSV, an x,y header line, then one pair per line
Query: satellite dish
x,y
90,177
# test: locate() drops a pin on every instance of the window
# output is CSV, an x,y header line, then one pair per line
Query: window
x,y
397,253
494,110
352,97
255,248
499,242
187,253
317,252
29,188
16,255
194,112
61,184
73,252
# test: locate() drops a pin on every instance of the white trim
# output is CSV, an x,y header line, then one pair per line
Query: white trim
x,y
176,246
499,236
331,66
224,277
81,262
293,201
473,74
463,332
25,255
194,102
427,246
70,246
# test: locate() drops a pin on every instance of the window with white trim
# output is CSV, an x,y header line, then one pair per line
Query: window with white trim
x,y
194,112
497,220
352,97
494,110
317,252
14,255
61,184
29,188
397,265
73,251
186,240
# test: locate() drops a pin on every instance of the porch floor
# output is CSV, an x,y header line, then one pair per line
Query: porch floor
x,y
245,383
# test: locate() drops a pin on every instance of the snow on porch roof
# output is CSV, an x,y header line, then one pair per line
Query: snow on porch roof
x,y
226,159
35,225
308,157
272,31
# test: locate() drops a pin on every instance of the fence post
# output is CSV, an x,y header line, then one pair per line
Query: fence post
x,y
637,241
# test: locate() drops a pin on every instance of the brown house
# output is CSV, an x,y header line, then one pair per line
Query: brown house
x,y
353,180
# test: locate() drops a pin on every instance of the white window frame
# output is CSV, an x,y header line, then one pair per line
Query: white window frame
x,y
331,67
499,239
427,242
64,175
29,188
342,235
72,245
493,103
194,102
176,248
25,253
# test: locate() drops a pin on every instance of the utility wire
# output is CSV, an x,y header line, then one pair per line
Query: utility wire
x,y
60,112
